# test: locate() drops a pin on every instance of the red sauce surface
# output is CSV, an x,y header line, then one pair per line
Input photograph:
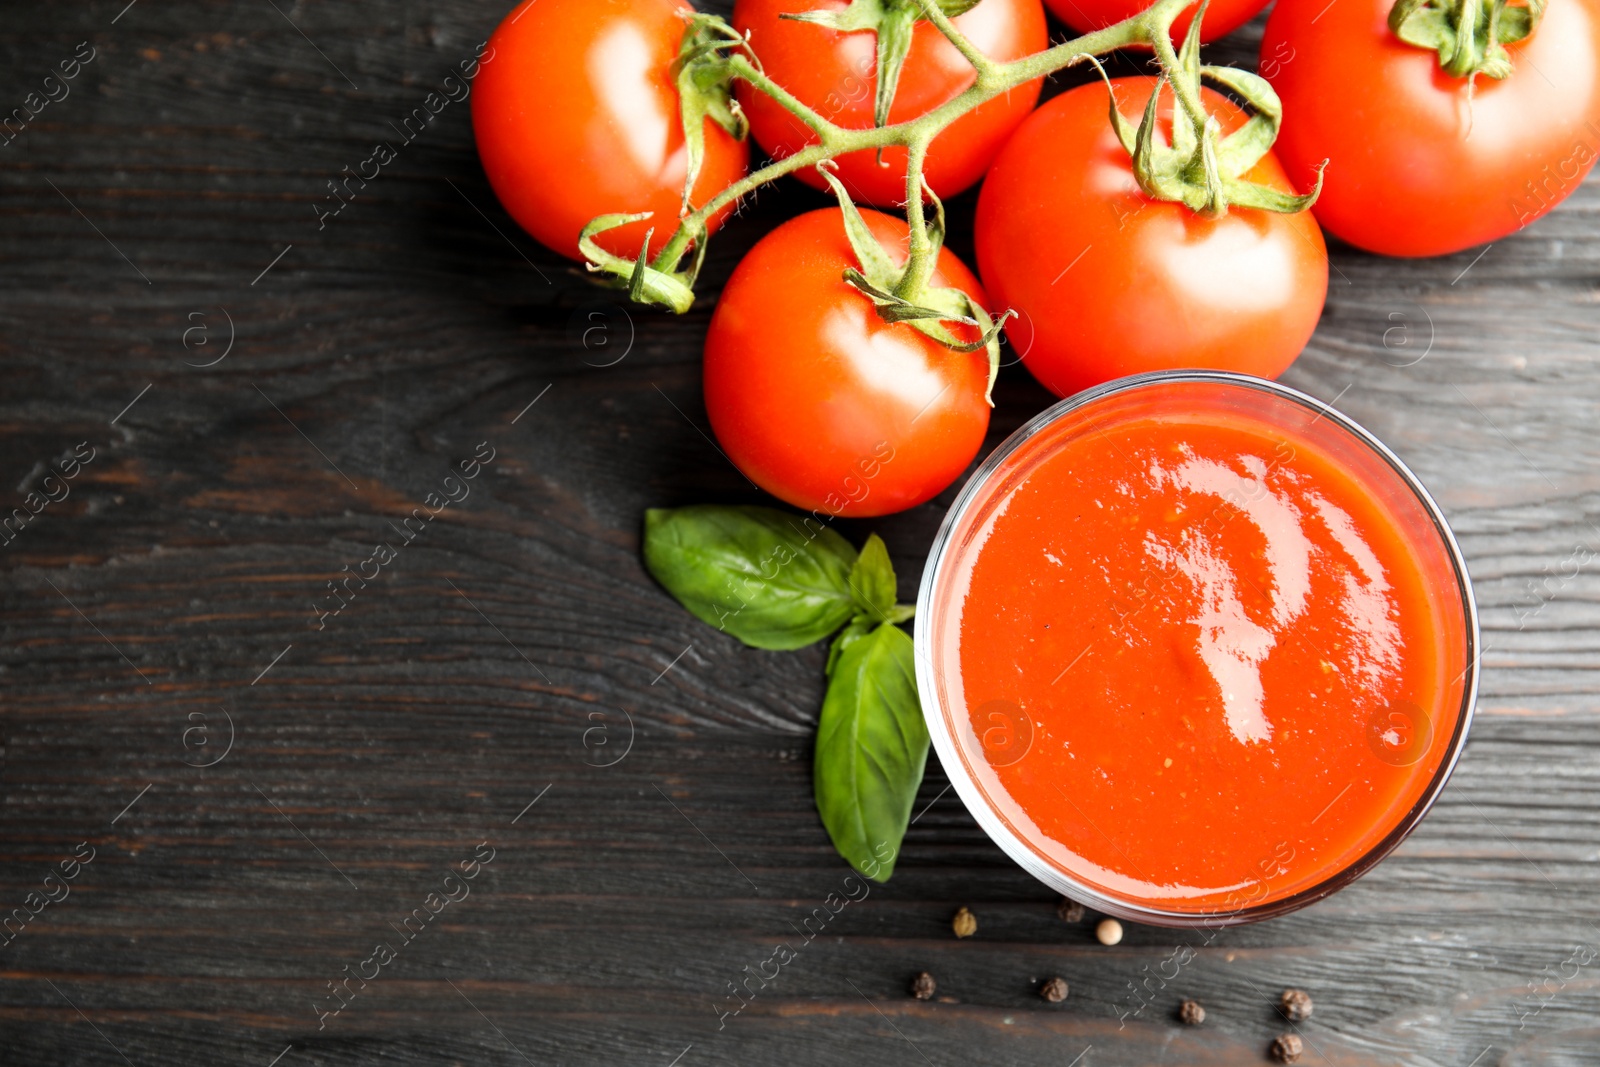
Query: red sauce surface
x,y
1204,661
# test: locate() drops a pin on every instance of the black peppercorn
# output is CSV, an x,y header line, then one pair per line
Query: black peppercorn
x,y
1054,990
923,987
1286,1048
1190,1013
1295,1005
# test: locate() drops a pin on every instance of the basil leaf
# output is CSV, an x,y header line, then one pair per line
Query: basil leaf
x,y
871,748
756,573
872,580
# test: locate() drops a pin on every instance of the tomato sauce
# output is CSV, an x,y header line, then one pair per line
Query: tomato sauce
x,y
1198,658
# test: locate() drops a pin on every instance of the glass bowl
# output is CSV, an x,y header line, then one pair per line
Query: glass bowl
x,y
973,763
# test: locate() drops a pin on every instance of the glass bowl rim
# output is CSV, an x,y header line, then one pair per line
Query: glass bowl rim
x,y
973,796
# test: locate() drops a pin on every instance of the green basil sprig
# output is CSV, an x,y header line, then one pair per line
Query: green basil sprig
x,y
780,581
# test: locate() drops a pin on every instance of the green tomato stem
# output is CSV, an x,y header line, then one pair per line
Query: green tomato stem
x,y
980,62
1182,89
694,222
923,256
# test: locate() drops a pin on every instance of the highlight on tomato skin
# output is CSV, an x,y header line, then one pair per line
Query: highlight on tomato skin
x,y
835,74
1107,281
819,401
575,114
1421,163
1222,16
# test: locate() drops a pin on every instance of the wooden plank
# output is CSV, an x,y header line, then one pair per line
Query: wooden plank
x,y
370,359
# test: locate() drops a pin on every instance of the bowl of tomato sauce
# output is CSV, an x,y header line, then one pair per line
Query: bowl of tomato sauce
x,y
1196,649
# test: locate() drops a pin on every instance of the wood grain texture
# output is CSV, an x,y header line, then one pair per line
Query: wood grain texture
x,y
469,680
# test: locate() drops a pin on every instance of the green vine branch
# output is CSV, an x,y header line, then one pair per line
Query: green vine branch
x,y
1200,168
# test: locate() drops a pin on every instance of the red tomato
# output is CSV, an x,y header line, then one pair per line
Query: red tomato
x,y
1109,282
1418,165
836,75
822,403
576,115
1222,16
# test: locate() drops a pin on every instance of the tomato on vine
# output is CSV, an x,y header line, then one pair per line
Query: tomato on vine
x,y
821,402
1222,16
1423,161
576,114
835,73
1108,280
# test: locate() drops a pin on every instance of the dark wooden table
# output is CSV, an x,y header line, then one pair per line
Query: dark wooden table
x,y
265,399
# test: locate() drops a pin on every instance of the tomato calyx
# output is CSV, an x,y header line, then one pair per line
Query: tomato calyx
x,y
1199,168
892,21
704,79
901,294
1469,35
